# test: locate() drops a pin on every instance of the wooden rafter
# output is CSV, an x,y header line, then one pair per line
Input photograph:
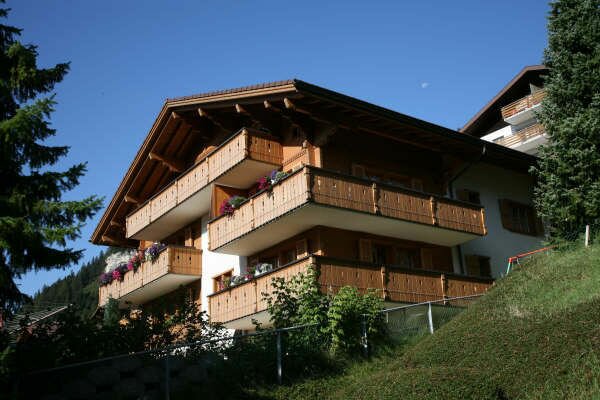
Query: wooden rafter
x,y
172,164
129,198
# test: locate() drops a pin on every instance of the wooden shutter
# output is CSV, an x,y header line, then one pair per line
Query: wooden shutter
x,y
472,265
301,248
426,258
358,170
365,250
506,213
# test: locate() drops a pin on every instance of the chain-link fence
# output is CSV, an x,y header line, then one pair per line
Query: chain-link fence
x,y
412,320
207,369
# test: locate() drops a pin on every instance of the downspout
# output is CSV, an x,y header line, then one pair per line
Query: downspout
x,y
461,263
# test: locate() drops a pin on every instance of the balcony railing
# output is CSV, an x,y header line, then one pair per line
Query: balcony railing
x,y
393,284
521,136
246,145
522,104
174,266
319,187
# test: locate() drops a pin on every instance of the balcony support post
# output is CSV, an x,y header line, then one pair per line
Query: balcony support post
x,y
375,190
384,282
433,202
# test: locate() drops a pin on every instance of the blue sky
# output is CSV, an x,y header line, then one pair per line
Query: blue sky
x,y
436,60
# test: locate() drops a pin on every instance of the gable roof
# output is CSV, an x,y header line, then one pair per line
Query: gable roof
x,y
409,128
499,99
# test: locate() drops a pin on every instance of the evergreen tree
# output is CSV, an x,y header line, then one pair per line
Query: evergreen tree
x,y
568,189
35,223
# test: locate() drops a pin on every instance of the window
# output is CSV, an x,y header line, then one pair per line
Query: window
x,y
388,177
520,218
468,195
222,281
405,258
287,256
478,265
379,254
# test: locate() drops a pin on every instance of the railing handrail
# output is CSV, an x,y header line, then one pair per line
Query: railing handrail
x,y
533,98
445,300
317,170
196,164
254,278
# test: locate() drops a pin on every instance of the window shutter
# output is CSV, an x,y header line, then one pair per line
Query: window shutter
x,y
365,250
358,170
472,264
506,214
426,258
301,248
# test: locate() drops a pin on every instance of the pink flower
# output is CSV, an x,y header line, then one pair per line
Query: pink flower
x,y
116,274
130,266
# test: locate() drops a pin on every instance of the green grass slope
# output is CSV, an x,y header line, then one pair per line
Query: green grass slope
x,y
535,335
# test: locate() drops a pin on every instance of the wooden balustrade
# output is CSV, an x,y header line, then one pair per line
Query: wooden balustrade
x,y
522,104
314,185
247,144
523,135
171,260
393,284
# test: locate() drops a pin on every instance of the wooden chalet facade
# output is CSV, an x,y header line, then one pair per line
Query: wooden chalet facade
x,y
366,195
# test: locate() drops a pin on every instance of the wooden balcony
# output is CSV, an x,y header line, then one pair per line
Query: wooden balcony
x,y
238,305
518,111
522,136
238,163
175,266
313,196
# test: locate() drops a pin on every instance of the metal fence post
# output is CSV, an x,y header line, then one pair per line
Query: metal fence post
x,y
364,337
279,361
167,378
587,236
429,318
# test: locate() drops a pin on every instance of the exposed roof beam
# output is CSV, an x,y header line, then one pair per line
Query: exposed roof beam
x,y
290,105
111,240
116,224
172,164
129,198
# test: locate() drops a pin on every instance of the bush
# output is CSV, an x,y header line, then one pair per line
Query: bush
x,y
339,318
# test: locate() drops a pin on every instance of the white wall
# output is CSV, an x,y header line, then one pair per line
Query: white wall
x,y
502,132
494,183
215,263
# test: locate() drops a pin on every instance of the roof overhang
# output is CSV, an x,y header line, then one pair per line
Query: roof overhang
x,y
345,112
494,102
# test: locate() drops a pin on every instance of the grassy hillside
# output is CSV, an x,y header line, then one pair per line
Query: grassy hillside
x,y
80,289
536,335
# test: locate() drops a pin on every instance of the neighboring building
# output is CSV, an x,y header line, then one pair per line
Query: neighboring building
x,y
370,197
509,118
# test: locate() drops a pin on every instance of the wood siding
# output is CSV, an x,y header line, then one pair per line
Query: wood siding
x,y
247,144
397,285
172,260
332,189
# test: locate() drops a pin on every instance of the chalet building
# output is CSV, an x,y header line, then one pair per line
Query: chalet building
x,y
247,184
509,118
